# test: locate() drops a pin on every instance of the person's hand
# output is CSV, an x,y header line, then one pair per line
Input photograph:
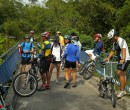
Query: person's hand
x,y
122,61
106,59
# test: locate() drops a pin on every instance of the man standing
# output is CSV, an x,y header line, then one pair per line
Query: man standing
x,y
44,61
122,51
27,48
31,36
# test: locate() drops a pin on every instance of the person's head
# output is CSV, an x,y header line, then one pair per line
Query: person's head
x,y
58,33
112,35
31,33
27,38
67,39
45,36
56,40
98,37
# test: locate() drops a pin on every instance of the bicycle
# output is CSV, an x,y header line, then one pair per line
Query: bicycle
x,y
3,105
89,68
106,85
25,84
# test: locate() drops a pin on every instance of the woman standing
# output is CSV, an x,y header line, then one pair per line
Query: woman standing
x,y
56,51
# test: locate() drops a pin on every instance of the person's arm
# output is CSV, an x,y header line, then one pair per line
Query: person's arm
x,y
32,49
123,50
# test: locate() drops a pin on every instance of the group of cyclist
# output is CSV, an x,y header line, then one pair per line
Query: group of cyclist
x,y
67,49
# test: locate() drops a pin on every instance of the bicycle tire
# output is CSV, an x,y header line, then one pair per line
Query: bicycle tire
x,y
82,68
113,96
37,74
88,72
101,89
21,85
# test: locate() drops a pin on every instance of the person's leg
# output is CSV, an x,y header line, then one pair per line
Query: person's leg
x,y
58,70
23,68
122,80
67,74
50,72
74,75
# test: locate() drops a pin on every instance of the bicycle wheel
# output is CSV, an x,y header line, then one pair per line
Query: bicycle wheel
x,y
101,89
82,68
37,73
25,84
88,72
113,95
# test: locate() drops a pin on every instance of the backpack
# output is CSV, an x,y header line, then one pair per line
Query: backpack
x,y
24,46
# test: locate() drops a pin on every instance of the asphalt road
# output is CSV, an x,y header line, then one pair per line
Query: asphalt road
x,y
84,97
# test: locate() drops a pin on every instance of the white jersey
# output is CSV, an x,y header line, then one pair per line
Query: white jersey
x,y
56,51
120,44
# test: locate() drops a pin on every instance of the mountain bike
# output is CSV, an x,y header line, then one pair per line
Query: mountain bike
x,y
106,84
3,105
25,84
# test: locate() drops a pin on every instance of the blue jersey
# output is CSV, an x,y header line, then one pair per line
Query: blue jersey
x,y
26,46
98,46
71,53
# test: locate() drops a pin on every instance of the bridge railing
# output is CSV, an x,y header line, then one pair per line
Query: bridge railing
x,y
100,70
10,61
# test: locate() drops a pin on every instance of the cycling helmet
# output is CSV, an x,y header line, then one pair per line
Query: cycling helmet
x,y
32,31
27,37
46,34
111,34
67,37
98,35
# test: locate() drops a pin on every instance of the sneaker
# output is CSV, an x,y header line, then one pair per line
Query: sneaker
x,y
121,94
74,85
57,81
66,84
47,86
42,88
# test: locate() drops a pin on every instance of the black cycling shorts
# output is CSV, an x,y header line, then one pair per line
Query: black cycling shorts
x,y
25,61
44,65
123,66
70,64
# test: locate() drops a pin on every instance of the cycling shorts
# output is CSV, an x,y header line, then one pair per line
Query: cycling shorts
x,y
25,61
123,66
69,64
44,65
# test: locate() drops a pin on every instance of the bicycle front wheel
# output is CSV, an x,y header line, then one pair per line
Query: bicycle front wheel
x,y
25,84
113,96
88,72
82,68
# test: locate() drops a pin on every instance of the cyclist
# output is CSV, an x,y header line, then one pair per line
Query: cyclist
x,y
75,37
31,36
71,55
61,38
27,48
44,61
123,56
56,51
98,47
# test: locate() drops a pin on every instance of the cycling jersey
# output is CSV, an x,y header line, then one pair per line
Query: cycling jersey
x,y
26,47
98,47
71,53
120,44
61,40
46,48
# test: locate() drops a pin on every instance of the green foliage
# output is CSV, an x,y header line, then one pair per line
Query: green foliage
x,y
84,17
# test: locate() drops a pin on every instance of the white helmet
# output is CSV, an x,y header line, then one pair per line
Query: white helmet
x,y
111,34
